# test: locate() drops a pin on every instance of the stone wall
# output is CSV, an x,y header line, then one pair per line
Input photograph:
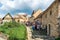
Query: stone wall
x,y
50,19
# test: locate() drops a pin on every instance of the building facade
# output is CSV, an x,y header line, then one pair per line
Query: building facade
x,y
50,19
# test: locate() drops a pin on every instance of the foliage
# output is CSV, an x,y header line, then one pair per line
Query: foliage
x,y
15,30
57,38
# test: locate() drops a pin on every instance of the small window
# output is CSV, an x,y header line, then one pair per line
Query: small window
x,y
18,20
50,12
46,15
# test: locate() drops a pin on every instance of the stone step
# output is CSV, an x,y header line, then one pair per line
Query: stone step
x,y
43,37
38,39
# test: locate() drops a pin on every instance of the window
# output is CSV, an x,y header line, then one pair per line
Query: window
x,y
46,15
50,12
18,20
40,16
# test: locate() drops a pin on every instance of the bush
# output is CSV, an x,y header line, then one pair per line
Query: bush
x,y
15,30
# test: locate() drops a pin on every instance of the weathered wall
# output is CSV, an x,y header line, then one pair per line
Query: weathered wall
x,y
49,17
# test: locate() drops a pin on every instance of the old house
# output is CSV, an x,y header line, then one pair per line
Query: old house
x,y
24,19
20,18
50,19
7,18
16,18
36,15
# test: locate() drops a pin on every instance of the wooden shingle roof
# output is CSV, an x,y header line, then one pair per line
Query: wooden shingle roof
x,y
37,13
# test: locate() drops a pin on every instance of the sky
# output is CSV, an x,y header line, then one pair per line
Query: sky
x,y
22,6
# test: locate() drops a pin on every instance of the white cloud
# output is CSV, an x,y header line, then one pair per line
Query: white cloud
x,y
28,15
1,15
22,13
8,5
18,4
